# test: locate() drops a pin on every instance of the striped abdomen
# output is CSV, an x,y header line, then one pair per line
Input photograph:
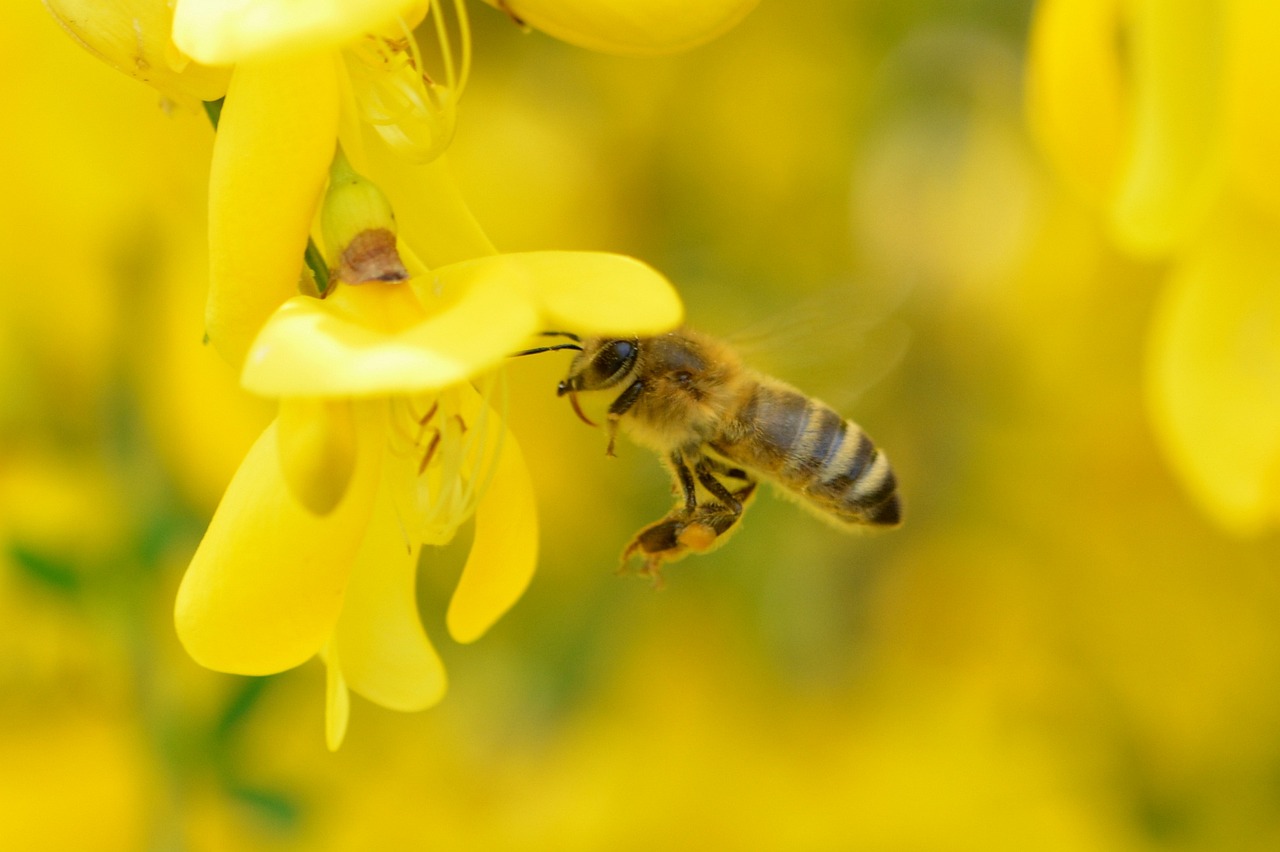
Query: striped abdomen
x,y
813,452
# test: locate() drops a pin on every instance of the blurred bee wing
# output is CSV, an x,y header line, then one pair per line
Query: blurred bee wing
x,y
833,345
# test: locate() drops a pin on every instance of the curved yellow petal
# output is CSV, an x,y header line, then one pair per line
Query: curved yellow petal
x,y
132,36
271,159
1215,374
1253,78
265,586
337,702
600,293
633,27
431,214
225,32
1077,91
317,442
311,349
1176,163
505,550
384,653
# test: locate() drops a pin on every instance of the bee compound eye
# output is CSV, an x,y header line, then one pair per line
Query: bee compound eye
x,y
622,350
614,359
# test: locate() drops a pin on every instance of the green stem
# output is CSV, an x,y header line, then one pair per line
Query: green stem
x,y
213,109
319,269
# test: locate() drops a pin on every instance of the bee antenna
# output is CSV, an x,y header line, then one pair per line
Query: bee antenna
x,y
568,334
575,347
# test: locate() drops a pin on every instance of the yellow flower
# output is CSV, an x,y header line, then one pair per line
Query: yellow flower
x,y
301,80
1160,113
630,26
305,73
1126,99
293,73
227,32
133,36
1214,362
376,382
390,432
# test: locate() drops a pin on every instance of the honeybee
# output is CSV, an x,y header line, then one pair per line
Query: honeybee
x,y
720,427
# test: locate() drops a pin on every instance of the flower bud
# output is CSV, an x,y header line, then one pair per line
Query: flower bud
x,y
359,229
132,36
633,27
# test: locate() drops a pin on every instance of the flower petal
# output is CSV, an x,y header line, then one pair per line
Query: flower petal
x,y
505,550
317,442
1176,161
600,293
132,36
1215,369
311,348
630,26
337,702
1253,78
1076,90
265,586
271,159
431,213
384,653
225,32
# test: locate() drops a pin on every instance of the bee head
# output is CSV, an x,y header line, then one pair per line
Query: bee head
x,y
603,363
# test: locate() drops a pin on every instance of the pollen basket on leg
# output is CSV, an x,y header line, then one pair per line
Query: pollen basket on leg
x,y
448,442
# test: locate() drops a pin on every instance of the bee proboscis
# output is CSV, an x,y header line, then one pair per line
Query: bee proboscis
x,y
721,427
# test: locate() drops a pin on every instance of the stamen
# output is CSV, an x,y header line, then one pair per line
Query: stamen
x,y
425,419
454,457
464,40
446,52
403,442
395,93
485,461
430,453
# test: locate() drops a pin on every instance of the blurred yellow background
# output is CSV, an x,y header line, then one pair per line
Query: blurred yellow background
x,y
1058,651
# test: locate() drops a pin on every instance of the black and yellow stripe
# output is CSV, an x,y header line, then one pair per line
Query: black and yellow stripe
x,y
812,451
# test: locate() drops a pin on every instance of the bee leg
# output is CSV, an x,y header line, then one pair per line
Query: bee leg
x,y
661,541
687,488
745,493
723,516
684,531
691,527
621,406
656,543
715,486
725,470
667,540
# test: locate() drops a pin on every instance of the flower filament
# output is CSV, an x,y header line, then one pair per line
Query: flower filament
x,y
413,113
449,441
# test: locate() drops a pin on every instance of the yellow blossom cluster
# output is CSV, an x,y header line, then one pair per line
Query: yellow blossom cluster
x,y
1163,116
390,432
